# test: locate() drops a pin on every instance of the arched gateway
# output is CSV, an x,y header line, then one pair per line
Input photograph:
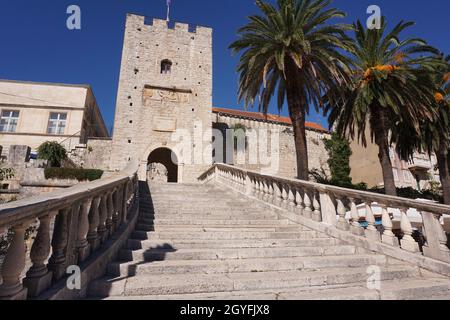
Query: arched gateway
x,y
162,166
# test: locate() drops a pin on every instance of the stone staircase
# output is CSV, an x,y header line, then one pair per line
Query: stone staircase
x,y
204,242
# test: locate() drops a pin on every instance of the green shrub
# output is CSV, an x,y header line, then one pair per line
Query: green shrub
x,y
53,152
74,174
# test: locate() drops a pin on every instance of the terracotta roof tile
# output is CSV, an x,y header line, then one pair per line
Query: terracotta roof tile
x,y
268,117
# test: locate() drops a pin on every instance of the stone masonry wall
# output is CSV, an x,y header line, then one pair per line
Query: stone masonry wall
x,y
286,167
151,106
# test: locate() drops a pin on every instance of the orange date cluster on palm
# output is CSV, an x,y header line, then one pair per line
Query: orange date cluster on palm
x,y
383,68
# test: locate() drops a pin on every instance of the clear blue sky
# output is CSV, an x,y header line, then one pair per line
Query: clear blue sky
x,y
37,46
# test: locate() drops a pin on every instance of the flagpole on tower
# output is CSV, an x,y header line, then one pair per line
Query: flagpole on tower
x,y
168,10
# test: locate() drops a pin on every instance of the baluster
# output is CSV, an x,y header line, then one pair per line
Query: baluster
x,y
39,278
103,216
116,215
266,191
118,205
284,197
60,240
13,265
111,213
436,244
388,236
261,189
271,195
299,203
342,222
355,227
291,198
82,244
407,242
371,232
277,192
307,211
94,221
317,214
124,204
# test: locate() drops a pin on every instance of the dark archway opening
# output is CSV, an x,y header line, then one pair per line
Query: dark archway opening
x,y
166,158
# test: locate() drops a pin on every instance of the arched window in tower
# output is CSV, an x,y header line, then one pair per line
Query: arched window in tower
x,y
166,66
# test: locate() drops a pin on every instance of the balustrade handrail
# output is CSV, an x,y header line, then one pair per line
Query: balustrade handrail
x,y
357,194
73,224
330,205
30,208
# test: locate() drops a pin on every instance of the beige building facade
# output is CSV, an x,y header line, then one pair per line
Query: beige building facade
x,y
416,173
32,113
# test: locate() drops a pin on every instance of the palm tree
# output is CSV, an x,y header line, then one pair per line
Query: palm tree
x,y
390,88
292,51
435,135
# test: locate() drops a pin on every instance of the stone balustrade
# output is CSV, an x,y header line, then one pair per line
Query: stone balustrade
x,y
83,217
331,205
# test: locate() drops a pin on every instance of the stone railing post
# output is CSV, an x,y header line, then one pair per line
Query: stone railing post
x,y
82,245
371,232
284,195
13,265
39,278
355,227
388,237
291,198
317,213
329,215
94,221
124,203
342,222
248,186
60,239
102,228
307,212
407,242
298,202
436,238
109,217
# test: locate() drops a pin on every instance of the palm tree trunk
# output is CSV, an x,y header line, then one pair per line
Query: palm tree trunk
x,y
380,126
301,146
297,114
443,163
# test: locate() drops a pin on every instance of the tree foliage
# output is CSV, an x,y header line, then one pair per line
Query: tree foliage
x,y
53,152
339,153
291,50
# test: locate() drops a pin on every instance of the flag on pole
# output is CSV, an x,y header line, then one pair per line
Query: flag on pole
x,y
169,3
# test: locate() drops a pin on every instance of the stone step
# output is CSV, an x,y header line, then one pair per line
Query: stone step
x,y
184,221
174,267
193,209
166,253
202,283
391,290
254,243
214,228
142,235
200,217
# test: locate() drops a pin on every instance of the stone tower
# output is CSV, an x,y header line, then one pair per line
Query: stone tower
x,y
164,98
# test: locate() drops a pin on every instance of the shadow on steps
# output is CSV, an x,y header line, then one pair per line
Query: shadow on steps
x,y
157,253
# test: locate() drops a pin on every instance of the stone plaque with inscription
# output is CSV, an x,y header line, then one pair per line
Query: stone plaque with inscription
x,y
165,95
164,124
